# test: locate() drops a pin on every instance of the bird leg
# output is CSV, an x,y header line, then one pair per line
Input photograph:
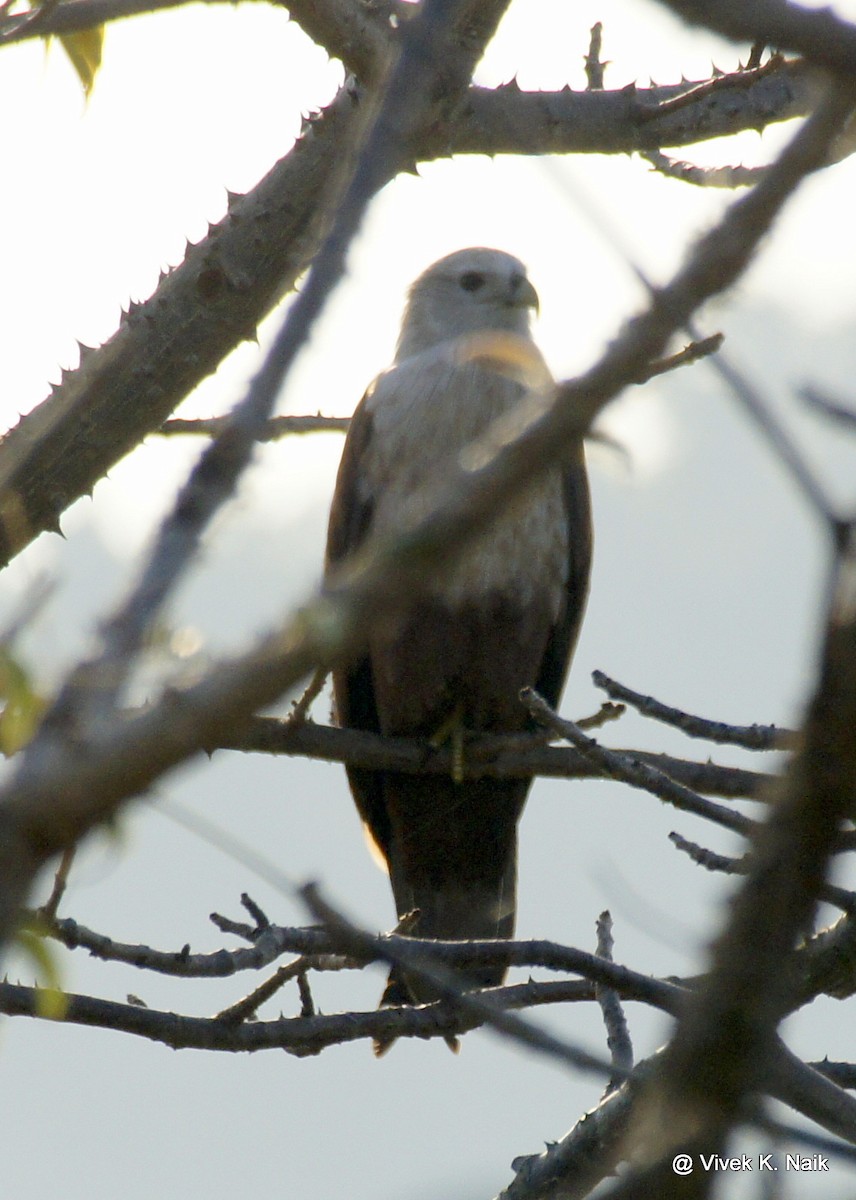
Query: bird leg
x,y
453,731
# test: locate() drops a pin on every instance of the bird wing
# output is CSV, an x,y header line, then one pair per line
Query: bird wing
x,y
562,641
353,689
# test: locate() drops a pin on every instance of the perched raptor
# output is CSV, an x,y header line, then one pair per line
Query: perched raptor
x,y
505,614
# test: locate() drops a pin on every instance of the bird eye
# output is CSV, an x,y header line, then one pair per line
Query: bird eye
x,y
471,281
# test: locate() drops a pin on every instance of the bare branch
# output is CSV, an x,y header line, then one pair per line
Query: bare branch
x,y
125,389
829,893
594,67
54,797
632,771
278,427
818,34
718,177
690,354
836,410
297,1035
275,428
507,120
354,33
617,1033
314,943
516,756
750,737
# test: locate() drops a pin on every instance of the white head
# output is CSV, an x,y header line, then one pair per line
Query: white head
x,y
466,292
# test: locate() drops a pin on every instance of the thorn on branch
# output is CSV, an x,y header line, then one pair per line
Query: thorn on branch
x,y
755,55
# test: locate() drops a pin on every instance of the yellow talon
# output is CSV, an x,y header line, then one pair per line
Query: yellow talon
x,y
452,731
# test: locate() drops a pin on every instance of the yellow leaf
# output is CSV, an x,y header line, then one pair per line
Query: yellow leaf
x,y
84,50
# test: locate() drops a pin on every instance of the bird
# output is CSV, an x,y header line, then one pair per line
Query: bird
x,y
453,657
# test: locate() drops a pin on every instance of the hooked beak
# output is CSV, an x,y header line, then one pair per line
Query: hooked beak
x,y
523,294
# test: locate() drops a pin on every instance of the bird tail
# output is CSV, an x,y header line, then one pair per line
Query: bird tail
x,y
453,863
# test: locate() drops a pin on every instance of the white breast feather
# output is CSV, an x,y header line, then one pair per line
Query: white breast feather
x,y
424,412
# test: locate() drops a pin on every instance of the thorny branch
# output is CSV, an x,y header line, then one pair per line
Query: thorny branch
x,y
757,974
129,755
126,389
494,756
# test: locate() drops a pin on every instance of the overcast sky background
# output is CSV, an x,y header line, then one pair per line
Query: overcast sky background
x,y
708,581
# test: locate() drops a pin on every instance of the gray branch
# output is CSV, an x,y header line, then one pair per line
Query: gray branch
x,y
125,390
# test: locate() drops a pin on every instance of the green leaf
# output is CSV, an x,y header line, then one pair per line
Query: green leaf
x,y
23,706
51,1000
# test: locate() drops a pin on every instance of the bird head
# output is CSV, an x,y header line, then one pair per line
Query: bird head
x,y
470,291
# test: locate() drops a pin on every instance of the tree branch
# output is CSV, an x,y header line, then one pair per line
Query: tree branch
x,y
817,34
61,789
512,756
750,737
506,120
638,774
353,33
125,389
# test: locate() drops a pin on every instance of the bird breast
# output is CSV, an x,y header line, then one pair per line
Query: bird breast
x,y
424,412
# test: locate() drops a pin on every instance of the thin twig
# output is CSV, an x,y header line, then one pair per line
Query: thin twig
x,y
749,737
836,410
617,1032
274,428
634,771
300,708
594,67
701,91
246,1008
51,906
726,865
421,965
708,177
690,354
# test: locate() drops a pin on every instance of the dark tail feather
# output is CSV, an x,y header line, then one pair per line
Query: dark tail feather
x,y
395,995
453,857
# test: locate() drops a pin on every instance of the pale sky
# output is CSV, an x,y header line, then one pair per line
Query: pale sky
x,y
707,582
